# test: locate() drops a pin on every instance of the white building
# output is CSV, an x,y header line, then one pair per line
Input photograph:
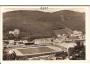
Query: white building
x,y
76,33
11,32
43,41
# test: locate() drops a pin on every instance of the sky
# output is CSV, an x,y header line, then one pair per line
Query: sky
x,y
49,9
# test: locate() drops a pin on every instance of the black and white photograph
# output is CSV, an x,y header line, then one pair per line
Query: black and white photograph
x,y
44,33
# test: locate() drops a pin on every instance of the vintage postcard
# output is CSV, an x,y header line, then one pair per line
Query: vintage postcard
x,y
44,32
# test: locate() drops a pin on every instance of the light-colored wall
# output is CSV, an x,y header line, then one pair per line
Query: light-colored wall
x,y
42,41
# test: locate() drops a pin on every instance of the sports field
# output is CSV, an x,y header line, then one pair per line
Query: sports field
x,y
37,50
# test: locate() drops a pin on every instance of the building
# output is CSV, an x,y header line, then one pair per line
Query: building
x,y
77,35
43,41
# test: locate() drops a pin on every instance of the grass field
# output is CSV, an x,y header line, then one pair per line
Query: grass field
x,y
35,50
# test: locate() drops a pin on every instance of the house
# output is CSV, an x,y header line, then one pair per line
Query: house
x,y
77,33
